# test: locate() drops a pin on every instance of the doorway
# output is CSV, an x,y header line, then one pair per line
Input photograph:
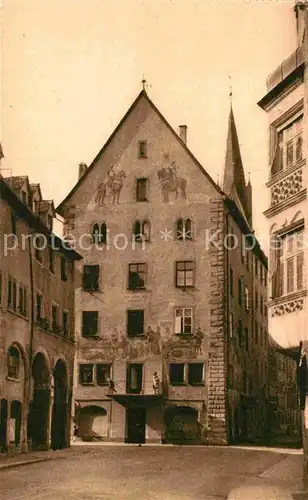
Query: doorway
x,y
135,425
3,424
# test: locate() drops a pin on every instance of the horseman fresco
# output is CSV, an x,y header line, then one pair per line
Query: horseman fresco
x,y
111,186
169,180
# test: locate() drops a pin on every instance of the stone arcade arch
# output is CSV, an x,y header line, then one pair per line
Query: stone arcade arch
x,y
181,425
59,422
38,421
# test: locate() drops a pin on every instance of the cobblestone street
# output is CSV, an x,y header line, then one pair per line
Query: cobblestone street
x,y
150,473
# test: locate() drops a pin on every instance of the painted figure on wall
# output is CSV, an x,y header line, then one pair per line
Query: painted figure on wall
x,y
169,179
111,186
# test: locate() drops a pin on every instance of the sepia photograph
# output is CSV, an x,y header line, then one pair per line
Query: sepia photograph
x,y
153,249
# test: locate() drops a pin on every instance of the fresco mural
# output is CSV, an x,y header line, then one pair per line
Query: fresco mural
x,y
169,179
111,186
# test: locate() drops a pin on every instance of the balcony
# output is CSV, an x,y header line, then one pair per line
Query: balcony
x,y
133,399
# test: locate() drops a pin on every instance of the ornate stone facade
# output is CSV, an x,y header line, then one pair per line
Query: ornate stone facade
x,y
287,187
287,307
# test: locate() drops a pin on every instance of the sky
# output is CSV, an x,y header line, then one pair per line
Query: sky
x,y
71,68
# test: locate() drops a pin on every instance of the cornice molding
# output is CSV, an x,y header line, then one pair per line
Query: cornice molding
x,y
293,200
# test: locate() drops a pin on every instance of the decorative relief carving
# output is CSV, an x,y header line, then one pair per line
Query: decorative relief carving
x,y
287,187
288,307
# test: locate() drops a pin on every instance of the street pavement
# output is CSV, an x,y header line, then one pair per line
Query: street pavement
x,y
154,473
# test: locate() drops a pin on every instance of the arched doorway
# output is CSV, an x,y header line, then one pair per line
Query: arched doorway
x,y
92,423
39,407
181,425
60,408
3,424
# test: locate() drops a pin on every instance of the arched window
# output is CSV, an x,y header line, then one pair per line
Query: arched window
x,y
184,229
99,233
13,362
142,230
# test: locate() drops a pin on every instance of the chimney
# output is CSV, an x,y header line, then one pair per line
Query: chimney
x,y
183,133
301,19
82,168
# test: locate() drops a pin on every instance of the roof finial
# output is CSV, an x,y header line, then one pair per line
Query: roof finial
x,y
143,81
230,89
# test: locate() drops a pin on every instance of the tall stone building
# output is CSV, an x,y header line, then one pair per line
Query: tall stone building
x,y
36,321
171,322
285,103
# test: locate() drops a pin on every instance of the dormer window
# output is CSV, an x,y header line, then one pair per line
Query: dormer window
x,y
142,149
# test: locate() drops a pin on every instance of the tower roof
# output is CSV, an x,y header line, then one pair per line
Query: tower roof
x,y
234,178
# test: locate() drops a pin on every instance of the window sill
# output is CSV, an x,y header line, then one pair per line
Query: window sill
x,y
94,337
142,201
182,287
197,384
137,336
87,383
18,314
12,379
184,335
103,385
91,290
178,384
143,289
287,297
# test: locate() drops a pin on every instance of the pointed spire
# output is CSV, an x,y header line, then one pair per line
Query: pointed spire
x,y
234,178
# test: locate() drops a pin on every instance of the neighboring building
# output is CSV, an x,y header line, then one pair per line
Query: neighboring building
x,y
36,321
159,296
283,411
286,105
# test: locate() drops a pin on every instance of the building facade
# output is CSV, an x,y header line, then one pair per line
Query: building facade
x,y
165,311
36,322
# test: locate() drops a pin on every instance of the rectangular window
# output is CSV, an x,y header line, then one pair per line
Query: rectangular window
x,y
183,320
240,332
185,273
231,282
290,143
86,374
246,339
134,380
292,262
51,260
135,322
39,243
142,149
89,323
290,274
176,373
22,301
246,299
256,267
14,293
142,189
136,276
65,324
103,374
195,373
39,307
54,317
231,325
91,278
256,300
240,291
64,273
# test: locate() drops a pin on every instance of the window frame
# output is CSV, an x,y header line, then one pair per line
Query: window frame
x,y
85,314
139,189
172,382
143,149
80,365
130,265
11,375
283,151
184,229
129,327
177,271
202,381
55,327
292,251
109,365
183,309
99,237
97,278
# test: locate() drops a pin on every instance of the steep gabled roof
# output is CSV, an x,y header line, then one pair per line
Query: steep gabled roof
x,y
234,178
142,94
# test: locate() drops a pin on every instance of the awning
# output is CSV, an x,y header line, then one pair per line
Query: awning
x,y
127,399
